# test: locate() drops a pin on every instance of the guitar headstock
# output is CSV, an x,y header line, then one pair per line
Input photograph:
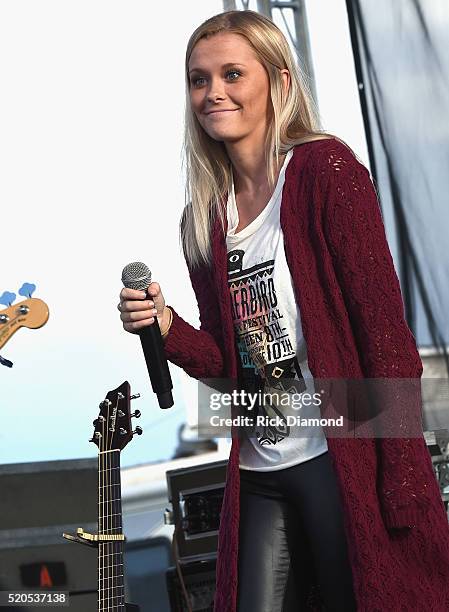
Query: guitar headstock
x,y
113,427
32,312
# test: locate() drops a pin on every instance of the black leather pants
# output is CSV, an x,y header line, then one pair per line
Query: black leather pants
x,y
291,525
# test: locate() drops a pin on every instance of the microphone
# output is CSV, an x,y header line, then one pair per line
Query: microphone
x,y
137,275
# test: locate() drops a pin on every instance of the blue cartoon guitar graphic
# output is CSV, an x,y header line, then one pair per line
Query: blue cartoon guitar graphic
x,y
31,312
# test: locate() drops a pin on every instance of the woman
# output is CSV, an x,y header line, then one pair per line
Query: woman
x,y
294,280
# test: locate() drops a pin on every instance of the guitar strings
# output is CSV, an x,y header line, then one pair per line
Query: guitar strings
x,y
110,554
117,547
109,472
100,515
104,592
114,518
110,508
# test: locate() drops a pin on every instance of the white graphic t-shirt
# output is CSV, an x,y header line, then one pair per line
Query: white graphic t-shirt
x,y
271,344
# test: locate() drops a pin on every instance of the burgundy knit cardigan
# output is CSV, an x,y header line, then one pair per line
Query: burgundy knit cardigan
x,y
353,322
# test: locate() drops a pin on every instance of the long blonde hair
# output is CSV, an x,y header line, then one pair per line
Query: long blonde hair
x,y
208,167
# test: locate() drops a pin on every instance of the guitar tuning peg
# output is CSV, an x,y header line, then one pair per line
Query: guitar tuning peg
x,y
136,414
27,289
135,396
7,298
138,431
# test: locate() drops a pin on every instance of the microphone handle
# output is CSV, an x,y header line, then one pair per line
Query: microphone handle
x,y
153,350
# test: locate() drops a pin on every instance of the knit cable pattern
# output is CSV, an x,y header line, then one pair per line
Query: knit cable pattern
x,y
357,241
353,323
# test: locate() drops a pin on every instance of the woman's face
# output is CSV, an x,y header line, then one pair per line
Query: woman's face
x,y
225,76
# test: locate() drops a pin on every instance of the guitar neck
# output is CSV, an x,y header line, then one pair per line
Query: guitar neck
x,y
111,584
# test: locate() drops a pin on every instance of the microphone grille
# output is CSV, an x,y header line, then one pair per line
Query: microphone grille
x,y
136,275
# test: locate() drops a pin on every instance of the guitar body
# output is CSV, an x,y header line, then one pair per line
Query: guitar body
x,y
32,313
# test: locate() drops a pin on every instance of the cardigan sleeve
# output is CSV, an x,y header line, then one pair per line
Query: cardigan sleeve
x,y
356,239
198,352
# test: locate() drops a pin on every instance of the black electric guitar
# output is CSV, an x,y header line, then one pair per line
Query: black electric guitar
x,y
113,431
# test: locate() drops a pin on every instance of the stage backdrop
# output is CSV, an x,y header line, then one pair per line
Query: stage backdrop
x,y
91,125
402,57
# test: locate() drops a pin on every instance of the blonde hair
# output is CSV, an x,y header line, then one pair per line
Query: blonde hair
x,y
208,168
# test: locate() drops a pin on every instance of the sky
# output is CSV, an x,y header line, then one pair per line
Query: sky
x,y
91,125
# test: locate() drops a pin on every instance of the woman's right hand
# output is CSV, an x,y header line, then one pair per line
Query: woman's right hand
x,y
138,308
